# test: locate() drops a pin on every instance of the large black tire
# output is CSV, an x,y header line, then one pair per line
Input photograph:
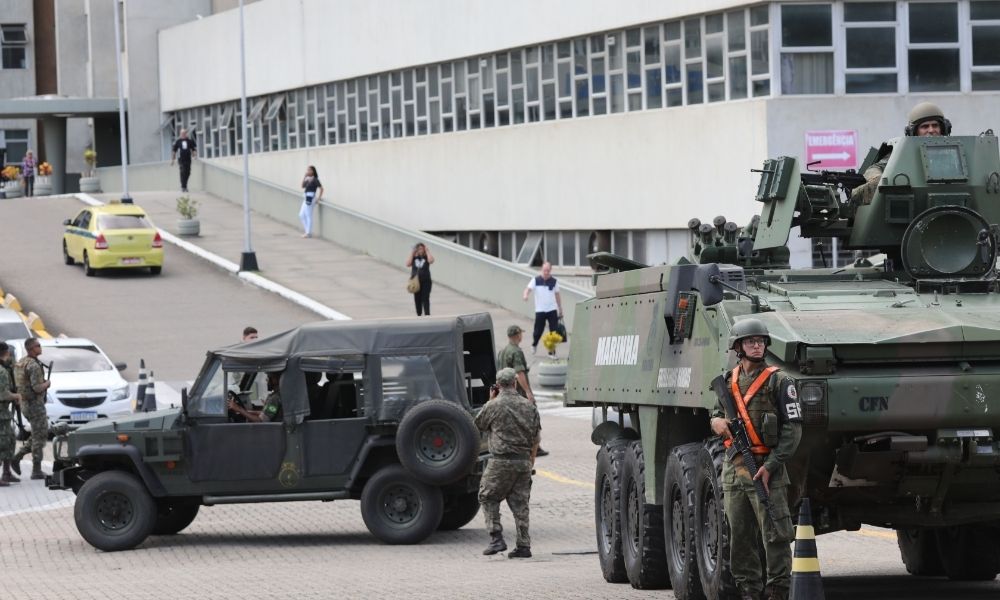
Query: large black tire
x,y
679,521
114,511
607,511
919,550
66,257
711,528
642,526
399,509
438,442
459,509
90,271
969,552
173,516
155,270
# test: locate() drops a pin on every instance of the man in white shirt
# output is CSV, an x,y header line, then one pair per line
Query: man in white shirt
x,y
548,303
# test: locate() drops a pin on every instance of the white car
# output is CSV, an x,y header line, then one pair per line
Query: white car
x,y
86,385
12,325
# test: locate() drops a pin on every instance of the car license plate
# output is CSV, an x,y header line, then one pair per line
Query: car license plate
x,y
131,261
87,415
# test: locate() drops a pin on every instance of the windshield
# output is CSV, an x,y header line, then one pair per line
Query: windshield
x,y
75,359
13,330
208,398
123,222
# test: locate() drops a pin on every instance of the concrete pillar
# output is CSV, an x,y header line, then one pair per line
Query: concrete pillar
x,y
54,132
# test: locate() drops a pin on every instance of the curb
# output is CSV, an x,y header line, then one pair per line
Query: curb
x,y
252,278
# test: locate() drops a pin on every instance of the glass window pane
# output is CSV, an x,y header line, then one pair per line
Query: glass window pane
x,y
692,38
580,57
502,89
654,89
617,93
408,85
759,53
759,15
933,22
871,83
986,10
672,68
518,105
672,31
635,101
675,97
548,61
582,98
600,106
516,69
807,73
634,65
871,47
564,49
651,36
806,25
568,248
597,43
716,92
531,73
737,30
713,24
597,75
614,51
714,61
737,77
695,94
986,81
934,70
869,11
549,100
986,45
566,109
565,81
761,87
632,37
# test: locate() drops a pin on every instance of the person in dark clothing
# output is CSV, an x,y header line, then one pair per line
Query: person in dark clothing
x,y
183,151
312,193
420,261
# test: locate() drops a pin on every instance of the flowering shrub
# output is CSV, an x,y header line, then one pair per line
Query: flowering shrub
x,y
11,172
550,340
44,169
187,207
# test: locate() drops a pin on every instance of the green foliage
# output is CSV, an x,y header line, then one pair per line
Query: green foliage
x,y
187,207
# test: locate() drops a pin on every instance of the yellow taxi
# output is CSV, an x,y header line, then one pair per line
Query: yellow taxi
x,y
112,236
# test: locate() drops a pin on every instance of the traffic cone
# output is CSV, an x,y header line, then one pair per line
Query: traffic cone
x,y
149,404
806,581
140,388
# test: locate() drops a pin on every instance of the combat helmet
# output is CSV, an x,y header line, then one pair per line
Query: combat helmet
x,y
747,328
923,112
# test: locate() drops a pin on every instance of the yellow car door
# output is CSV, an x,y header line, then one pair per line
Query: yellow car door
x,y
74,236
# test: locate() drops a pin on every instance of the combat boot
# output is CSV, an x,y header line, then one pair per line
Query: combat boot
x,y
496,544
36,471
7,476
520,552
16,463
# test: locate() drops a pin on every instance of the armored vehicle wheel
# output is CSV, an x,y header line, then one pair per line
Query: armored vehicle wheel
x,y
438,442
969,552
679,481
173,516
919,550
399,509
459,509
711,528
114,511
642,526
66,257
607,511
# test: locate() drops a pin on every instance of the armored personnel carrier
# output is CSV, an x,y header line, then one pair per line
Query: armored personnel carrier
x,y
896,360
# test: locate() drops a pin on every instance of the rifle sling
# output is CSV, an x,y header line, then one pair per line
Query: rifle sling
x,y
742,401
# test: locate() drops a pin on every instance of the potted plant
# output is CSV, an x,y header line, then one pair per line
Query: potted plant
x,y
89,183
552,372
188,223
43,186
11,175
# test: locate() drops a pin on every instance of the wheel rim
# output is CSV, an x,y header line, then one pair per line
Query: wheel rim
x,y
709,528
677,525
436,443
607,514
400,505
115,511
633,517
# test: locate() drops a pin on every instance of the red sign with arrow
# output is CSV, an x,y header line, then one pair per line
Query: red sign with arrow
x,y
832,149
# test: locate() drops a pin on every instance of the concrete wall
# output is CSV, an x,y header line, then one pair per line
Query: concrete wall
x,y
473,273
72,69
625,171
293,43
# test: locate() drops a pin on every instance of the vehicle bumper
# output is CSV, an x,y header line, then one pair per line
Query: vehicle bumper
x,y
108,259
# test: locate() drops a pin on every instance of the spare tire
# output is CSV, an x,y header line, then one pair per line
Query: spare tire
x,y
438,442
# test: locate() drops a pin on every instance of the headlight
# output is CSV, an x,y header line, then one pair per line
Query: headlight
x,y
812,397
119,394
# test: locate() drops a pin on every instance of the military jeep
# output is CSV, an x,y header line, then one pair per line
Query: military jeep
x,y
378,411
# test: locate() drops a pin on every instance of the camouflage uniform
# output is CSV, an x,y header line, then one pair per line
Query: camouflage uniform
x,y
513,426
272,408
747,517
7,438
512,357
863,194
29,378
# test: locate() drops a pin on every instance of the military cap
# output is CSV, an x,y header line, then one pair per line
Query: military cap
x,y
513,330
506,376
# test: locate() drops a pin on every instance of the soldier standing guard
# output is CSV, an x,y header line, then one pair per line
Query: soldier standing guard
x,y
7,397
768,405
31,382
514,429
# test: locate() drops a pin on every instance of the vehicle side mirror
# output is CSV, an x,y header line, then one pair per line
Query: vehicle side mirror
x,y
66,221
706,279
121,366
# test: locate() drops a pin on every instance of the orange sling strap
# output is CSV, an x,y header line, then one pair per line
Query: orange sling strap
x,y
757,446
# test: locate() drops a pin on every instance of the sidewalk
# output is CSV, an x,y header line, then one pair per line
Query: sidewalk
x,y
356,285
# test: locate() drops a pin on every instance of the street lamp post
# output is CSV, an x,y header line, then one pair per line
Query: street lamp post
x,y
126,199
248,260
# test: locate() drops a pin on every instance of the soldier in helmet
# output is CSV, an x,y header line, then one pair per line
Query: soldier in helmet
x,y
767,402
925,118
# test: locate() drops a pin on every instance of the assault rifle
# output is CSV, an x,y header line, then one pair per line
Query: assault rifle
x,y
845,180
741,442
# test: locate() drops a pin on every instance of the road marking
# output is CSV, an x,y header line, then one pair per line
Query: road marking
x,y
560,479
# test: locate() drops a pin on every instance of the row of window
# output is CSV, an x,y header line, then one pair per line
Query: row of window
x,y
820,48
561,248
14,142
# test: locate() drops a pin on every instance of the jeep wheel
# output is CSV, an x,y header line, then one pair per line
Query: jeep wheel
x,y
399,509
173,516
114,511
437,441
459,509
919,550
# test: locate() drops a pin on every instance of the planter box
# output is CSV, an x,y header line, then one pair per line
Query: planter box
x,y
43,188
90,185
188,227
13,191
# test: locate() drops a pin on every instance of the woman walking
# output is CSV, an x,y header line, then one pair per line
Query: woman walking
x,y
419,261
313,193
28,173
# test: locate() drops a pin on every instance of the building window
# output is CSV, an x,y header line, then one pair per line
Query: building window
x,y
870,47
933,48
14,44
806,49
16,143
985,17
760,51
